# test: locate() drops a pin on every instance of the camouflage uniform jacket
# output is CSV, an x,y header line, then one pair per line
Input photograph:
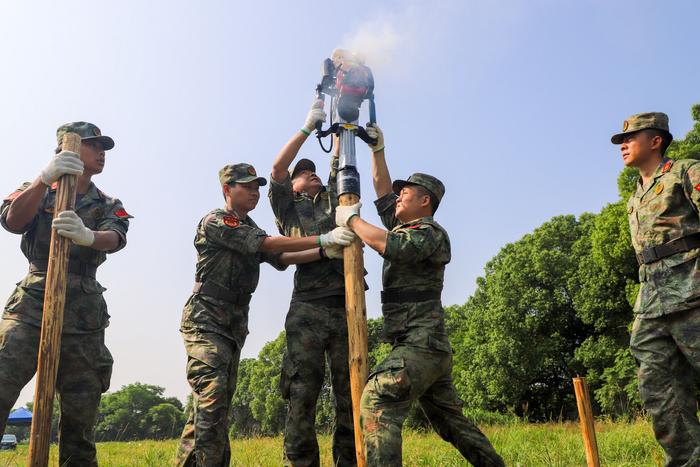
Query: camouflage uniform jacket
x,y
85,309
414,259
664,209
227,256
300,215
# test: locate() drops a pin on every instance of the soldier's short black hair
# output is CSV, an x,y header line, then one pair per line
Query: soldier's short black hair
x,y
422,191
664,136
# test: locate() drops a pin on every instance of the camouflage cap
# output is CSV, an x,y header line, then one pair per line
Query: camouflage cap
x,y
86,131
643,121
300,166
240,173
430,183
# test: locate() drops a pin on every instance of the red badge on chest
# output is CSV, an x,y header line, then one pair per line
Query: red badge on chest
x,y
697,187
231,221
667,167
121,213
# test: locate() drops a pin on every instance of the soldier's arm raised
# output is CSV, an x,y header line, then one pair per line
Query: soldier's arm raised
x,y
280,167
380,172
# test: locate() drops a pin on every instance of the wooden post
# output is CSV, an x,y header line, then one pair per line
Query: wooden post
x,y
52,321
585,413
357,328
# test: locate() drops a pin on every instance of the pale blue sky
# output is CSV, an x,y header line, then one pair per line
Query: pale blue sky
x,y
510,103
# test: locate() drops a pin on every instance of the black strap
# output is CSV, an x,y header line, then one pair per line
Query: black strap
x,y
74,267
410,296
332,301
679,245
216,291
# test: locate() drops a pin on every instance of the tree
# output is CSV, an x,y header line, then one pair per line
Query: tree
x,y
568,287
139,411
525,297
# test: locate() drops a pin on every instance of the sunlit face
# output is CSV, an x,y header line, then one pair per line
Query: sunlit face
x,y
411,204
93,156
307,181
244,196
639,148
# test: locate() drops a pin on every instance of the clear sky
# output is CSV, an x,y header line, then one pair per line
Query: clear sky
x,y
510,103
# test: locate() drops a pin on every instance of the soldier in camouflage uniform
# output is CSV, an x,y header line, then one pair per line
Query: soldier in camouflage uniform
x,y
316,326
415,251
665,228
97,226
230,248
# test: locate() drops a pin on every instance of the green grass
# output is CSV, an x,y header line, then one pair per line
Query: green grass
x,y
552,444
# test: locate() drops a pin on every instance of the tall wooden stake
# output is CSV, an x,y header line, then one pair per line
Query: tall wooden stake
x,y
357,328
585,413
52,321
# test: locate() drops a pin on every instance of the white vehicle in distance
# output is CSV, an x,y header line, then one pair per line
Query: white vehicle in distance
x,y
8,442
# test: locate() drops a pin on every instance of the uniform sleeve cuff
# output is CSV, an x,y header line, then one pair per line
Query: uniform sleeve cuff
x,y
385,203
392,240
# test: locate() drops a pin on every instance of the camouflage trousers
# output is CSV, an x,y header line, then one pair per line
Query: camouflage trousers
x,y
84,372
667,350
411,373
212,368
315,331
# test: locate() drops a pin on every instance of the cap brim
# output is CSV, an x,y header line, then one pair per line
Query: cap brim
x,y
303,164
398,185
619,137
106,142
261,180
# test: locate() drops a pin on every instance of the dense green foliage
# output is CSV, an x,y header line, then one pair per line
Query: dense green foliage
x,y
139,411
555,304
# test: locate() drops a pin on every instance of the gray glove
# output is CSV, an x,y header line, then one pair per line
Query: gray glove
x,y
338,236
375,132
316,114
344,213
65,162
69,225
334,251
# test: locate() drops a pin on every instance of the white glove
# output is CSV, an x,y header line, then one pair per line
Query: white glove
x,y
316,114
334,251
69,225
375,132
344,213
339,236
65,162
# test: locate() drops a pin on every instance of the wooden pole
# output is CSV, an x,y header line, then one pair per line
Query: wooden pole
x,y
52,321
585,413
357,327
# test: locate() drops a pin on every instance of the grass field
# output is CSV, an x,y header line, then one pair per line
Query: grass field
x,y
520,445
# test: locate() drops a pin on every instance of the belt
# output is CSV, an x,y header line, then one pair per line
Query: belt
x,y
679,245
216,291
410,296
333,301
74,267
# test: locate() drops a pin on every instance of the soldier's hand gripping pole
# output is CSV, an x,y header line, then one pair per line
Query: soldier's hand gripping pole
x,y
349,193
52,321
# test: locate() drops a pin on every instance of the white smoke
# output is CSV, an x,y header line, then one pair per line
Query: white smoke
x,y
378,42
